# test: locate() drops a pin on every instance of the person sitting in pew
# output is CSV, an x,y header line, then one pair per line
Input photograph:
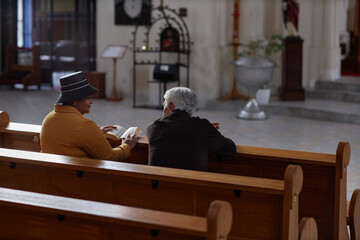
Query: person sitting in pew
x,y
65,131
179,140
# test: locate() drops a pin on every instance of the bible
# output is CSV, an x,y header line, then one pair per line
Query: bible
x,y
121,132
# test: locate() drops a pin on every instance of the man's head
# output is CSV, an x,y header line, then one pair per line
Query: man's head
x,y
181,98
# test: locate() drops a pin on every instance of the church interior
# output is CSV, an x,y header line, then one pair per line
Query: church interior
x,y
307,108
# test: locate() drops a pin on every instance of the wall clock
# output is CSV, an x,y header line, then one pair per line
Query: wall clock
x,y
131,12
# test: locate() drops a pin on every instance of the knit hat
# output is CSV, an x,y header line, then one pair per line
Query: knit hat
x,y
74,86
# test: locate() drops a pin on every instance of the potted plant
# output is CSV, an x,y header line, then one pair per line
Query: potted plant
x,y
263,48
254,70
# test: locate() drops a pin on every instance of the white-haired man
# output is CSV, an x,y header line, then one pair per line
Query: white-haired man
x,y
179,140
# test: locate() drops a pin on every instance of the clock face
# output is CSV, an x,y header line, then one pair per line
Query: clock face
x,y
133,8
131,12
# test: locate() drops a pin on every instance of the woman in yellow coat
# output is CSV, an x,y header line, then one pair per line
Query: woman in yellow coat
x,y
65,131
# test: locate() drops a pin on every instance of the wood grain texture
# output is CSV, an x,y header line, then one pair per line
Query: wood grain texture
x,y
4,119
354,215
340,214
323,194
255,201
40,211
149,172
219,220
293,184
308,229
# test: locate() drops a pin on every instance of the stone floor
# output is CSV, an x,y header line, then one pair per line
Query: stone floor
x,y
278,131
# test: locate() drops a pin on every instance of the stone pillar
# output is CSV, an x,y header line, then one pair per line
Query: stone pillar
x,y
322,53
331,54
311,15
251,20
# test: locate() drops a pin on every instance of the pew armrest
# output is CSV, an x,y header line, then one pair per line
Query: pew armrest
x,y
293,180
308,229
354,215
4,119
219,220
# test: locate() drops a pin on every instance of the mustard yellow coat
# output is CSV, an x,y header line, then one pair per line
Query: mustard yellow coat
x,y
65,131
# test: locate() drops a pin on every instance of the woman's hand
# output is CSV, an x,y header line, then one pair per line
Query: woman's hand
x,y
130,140
105,129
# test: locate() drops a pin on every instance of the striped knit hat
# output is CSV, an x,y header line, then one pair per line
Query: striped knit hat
x,y
74,86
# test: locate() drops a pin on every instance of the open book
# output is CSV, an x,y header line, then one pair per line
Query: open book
x,y
121,132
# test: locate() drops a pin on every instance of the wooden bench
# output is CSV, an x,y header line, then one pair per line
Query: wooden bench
x,y
28,73
271,204
323,195
324,174
28,215
19,135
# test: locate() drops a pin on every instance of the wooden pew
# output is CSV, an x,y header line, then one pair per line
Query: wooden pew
x,y
263,208
23,136
324,189
19,135
324,174
325,180
28,215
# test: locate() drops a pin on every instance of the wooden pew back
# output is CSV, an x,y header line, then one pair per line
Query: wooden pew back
x,y
324,187
271,204
323,195
21,136
28,215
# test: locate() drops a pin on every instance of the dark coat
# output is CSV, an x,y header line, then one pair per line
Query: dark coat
x,y
181,141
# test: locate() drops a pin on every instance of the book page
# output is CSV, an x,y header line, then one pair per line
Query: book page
x,y
114,51
117,132
131,131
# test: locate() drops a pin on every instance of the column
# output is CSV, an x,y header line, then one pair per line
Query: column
x,y
251,20
331,54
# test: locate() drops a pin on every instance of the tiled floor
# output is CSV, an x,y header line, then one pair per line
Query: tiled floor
x,y
283,132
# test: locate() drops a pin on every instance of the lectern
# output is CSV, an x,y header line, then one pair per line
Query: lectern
x,y
114,52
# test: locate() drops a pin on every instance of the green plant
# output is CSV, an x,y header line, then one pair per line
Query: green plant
x,y
263,48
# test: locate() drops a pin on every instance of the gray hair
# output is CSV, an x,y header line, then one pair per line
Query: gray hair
x,y
183,98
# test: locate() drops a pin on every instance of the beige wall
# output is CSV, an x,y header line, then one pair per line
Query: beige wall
x,y
209,24
210,27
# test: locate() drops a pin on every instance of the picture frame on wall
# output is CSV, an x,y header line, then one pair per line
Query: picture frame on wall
x,y
169,39
132,12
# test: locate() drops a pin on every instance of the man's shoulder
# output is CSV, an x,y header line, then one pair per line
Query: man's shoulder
x,y
154,124
195,120
157,121
200,120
